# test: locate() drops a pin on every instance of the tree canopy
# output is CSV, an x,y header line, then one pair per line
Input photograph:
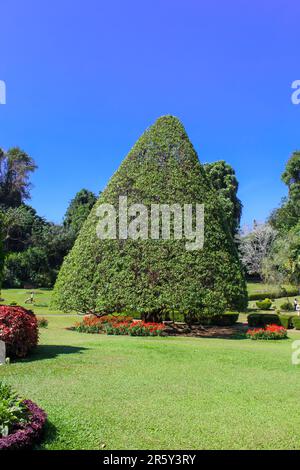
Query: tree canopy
x,y
16,167
155,277
287,215
223,179
79,209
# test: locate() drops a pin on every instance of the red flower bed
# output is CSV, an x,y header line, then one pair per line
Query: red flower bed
x,y
18,329
136,328
118,325
93,324
26,435
141,328
269,332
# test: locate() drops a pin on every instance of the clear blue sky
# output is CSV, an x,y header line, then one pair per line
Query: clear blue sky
x,y
86,77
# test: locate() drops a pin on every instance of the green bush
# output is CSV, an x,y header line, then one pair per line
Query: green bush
x,y
296,322
287,307
12,410
287,321
155,278
42,322
265,304
263,319
228,319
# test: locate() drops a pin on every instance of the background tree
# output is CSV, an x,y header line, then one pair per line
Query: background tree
x,y
282,265
79,209
287,216
16,166
34,249
255,247
18,226
223,179
1,253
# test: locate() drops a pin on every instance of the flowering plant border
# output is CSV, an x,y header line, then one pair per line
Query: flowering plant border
x,y
25,436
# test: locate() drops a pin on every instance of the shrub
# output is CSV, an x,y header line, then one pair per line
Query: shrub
x,y
262,319
42,322
296,322
18,329
225,319
269,332
265,304
286,321
25,435
228,319
12,410
155,277
287,306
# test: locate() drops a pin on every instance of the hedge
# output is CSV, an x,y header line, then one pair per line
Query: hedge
x,y
274,294
228,319
287,321
155,278
265,304
296,322
263,319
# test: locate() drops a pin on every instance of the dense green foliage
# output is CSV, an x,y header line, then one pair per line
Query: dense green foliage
x,y
155,277
15,170
1,251
287,321
287,216
287,306
12,410
283,263
265,304
34,247
296,322
223,179
263,319
79,210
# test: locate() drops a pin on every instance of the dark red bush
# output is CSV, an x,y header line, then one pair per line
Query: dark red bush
x,y
27,435
18,329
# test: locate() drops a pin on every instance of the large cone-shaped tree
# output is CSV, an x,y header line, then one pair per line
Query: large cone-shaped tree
x,y
155,277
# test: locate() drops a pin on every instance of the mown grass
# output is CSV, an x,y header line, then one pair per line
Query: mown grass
x,y
42,300
161,393
258,287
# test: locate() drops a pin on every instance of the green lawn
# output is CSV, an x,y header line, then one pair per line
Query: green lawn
x,y
42,298
161,393
258,287
158,393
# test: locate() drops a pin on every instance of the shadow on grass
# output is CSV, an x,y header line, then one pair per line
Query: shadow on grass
x,y
49,435
51,351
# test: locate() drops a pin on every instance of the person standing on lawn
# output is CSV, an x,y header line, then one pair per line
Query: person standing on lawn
x,y
295,304
30,299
